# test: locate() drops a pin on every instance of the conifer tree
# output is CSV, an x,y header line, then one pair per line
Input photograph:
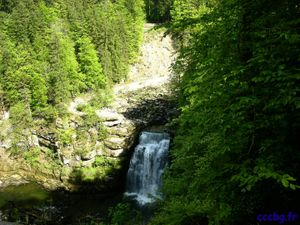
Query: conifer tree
x,y
89,64
21,120
64,79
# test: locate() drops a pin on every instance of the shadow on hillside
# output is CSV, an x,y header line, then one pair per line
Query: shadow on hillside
x,y
94,193
153,111
95,190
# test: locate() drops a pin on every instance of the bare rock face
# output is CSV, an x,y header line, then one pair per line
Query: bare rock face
x,y
112,123
109,115
114,142
89,155
118,131
12,180
116,153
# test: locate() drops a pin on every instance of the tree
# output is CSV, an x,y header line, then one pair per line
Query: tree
x,y
89,64
64,79
21,120
237,72
7,5
116,29
158,11
22,81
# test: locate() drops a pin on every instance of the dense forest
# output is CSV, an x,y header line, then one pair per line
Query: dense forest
x,y
52,51
235,152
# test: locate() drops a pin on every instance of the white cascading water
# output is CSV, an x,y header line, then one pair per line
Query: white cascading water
x,y
144,177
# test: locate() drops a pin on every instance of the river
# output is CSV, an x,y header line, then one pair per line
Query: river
x,y
31,204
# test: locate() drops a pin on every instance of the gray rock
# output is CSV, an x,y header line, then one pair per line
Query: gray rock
x,y
118,131
12,180
66,161
108,115
6,144
89,155
116,153
115,142
88,163
34,141
112,123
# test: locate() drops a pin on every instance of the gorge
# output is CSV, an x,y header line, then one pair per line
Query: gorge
x,y
94,103
144,101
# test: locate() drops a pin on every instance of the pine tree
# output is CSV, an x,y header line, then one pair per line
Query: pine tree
x,y
64,79
21,120
89,65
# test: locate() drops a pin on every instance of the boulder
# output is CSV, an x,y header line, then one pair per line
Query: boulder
x,y
88,163
115,142
11,180
99,147
117,153
89,155
118,131
66,161
112,123
34,140
108,115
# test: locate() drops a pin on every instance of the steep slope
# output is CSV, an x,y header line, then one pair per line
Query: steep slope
x,y
75,152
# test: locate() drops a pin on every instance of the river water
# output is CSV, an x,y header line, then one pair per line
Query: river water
x,y
31,204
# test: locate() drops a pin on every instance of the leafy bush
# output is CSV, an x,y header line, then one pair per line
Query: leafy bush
x,y
124,214
237,80
32,156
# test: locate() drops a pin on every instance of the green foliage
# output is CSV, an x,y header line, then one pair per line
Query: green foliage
x,y
91,120
52,51
90,174
65,136
237,78
22,81
102,169
124,214
32,156
116,30
49,114
21,121
158,11
7,5
102,98
103,161
89,65
63,76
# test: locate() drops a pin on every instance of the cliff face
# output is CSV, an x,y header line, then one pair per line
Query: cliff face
x,y
93,145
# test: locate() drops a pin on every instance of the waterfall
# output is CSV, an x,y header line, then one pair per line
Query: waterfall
x,y
144,177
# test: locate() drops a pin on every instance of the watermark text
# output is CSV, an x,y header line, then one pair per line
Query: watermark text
x,y
280,218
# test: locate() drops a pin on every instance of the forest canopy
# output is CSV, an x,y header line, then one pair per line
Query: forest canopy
x,y
235,152
51,51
